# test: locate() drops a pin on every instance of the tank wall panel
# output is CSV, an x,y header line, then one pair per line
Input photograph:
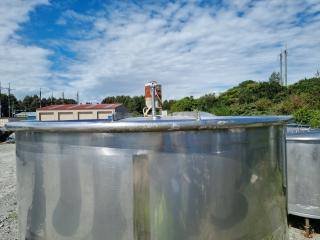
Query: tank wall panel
x,y
304,178
195,185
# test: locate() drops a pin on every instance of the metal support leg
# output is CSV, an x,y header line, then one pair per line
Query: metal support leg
x,y
308,229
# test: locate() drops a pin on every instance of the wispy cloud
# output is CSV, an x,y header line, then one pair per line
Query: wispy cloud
x,y
194,49
190,47
24,66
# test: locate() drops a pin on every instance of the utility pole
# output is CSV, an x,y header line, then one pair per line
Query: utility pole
x,y
51,98
9,107
40,98
78,97
286,67
281,78
13,111
0,102
62,97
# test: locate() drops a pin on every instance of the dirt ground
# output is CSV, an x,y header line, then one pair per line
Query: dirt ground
x,y
8,202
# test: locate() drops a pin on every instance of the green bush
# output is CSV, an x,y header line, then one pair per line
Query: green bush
x,y
289,106
221,110
184,104
315,119
303,116
310,86
263,104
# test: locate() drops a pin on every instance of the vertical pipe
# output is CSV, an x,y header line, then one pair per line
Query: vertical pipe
x,y
153,100
281,78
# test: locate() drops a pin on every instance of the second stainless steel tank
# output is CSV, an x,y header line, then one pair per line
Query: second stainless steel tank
x,y
168,179
303,157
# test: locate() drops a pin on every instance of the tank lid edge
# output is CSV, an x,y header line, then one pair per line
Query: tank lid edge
x,y
148,126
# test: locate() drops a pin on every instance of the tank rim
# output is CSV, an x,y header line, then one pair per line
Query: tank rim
x,y
148,125
304,136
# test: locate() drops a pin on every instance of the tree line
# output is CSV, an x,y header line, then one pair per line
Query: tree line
x,y
28,103
251,98
301,99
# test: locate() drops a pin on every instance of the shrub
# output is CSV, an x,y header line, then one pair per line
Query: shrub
x,y
263,104
221,110
303,116
289,106
315,119
184,104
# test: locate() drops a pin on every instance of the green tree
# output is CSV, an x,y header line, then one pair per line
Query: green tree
x,y
303,115
133,104
184,104
263,104
275,77
206,102
167,104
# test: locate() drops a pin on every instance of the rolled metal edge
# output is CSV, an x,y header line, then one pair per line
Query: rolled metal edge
x,y
304,137
305,215
148,125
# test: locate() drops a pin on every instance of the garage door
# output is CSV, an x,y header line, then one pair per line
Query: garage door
x,y
85,115
104,114
46,116
64,116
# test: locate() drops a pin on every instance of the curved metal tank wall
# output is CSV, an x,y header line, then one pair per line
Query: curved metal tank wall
x,y
219,178
303,157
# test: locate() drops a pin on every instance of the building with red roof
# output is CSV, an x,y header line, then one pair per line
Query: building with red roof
x,y
72,112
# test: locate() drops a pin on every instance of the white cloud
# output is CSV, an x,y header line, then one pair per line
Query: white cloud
x,y
193,50
73,16
26,67
190,50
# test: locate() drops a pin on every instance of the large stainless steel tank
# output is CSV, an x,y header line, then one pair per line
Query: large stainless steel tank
x,y
166,179
303,157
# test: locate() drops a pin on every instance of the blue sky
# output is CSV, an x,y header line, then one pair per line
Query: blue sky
x,y
104,48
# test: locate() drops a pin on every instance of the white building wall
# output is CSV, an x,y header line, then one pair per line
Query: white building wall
x,y
83,114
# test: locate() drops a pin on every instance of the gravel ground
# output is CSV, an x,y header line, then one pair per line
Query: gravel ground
x,y
296,234
8,202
